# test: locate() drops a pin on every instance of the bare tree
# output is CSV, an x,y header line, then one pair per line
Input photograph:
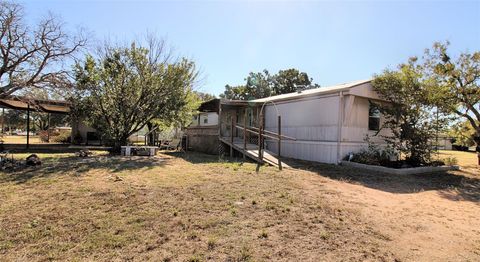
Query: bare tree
x,y
34,57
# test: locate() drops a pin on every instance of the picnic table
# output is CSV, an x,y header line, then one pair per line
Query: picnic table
x,y
127,150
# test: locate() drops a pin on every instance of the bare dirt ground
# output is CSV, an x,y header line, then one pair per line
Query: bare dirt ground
x,y
195,208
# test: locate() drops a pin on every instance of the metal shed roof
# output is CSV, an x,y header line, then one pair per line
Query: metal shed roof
x,y
312,92
22,103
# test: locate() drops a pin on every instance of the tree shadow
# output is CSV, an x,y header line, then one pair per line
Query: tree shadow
x,y
453,185
79,166
202,158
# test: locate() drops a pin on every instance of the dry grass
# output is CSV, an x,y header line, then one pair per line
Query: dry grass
x,y
467,160
194,207
175,209
21,140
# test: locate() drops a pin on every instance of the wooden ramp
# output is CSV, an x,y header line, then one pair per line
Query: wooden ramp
x,y
251,152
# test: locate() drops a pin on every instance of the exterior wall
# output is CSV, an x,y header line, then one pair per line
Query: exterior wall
x,y
203,139
79,128
306,120
211,117
444,143
318,123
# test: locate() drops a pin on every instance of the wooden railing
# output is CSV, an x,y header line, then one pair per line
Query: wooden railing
x,y
262,134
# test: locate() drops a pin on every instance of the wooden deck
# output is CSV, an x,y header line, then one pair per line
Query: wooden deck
x,y
252,151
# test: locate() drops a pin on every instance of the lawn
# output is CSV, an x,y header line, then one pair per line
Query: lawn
x,y
467,160
21,140
195,207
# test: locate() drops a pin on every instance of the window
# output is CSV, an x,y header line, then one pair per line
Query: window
x,y
205,120
373,118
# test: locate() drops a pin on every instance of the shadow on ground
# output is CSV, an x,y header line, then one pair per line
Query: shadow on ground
x,y
201,158
77,166
458,185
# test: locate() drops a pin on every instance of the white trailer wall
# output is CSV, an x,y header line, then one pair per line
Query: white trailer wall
x,y
313,122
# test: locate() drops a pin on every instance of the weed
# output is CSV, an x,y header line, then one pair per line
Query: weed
x,y
244,255
194,258
325,235
263,234
211,243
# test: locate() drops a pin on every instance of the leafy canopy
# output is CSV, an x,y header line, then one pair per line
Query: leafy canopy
x,y
409,120
127,87
453,84
262,84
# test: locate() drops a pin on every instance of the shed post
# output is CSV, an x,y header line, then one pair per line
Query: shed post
x,y
279,142
28,125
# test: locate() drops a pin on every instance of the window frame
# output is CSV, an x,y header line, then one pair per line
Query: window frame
x,y
374,114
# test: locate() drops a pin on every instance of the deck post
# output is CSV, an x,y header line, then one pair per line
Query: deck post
x,y
279,142
3,120
28,125
231,137
259,141
245,134
260,138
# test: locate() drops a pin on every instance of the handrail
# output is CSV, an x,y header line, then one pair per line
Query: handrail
x,y
271,134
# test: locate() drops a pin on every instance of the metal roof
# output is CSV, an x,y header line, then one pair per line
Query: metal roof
x,y
40,105
312,92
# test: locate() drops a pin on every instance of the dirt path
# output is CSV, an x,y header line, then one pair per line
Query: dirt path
x,y
423,225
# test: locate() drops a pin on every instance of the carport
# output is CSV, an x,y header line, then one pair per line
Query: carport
x,y
31,104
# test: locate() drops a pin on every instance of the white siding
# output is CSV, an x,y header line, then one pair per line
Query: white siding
x,y
309,120
314,122
210,117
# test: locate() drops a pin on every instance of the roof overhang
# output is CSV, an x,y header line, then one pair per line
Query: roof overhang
x,y
38,105
353,88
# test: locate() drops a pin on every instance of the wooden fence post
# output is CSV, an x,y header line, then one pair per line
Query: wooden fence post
x,y
279,142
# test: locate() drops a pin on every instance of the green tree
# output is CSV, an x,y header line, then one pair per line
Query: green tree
x,y
409,120
291,80
183,118
463,134
235,92
453,85
126,88
263,84
204,96
257,85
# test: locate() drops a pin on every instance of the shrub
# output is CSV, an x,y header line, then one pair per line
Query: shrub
x,y
62,136
44,135
372,155
450,161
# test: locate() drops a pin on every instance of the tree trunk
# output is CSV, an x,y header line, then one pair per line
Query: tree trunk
x,y
151,136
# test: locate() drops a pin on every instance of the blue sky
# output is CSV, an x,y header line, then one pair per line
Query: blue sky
x,y
334,42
